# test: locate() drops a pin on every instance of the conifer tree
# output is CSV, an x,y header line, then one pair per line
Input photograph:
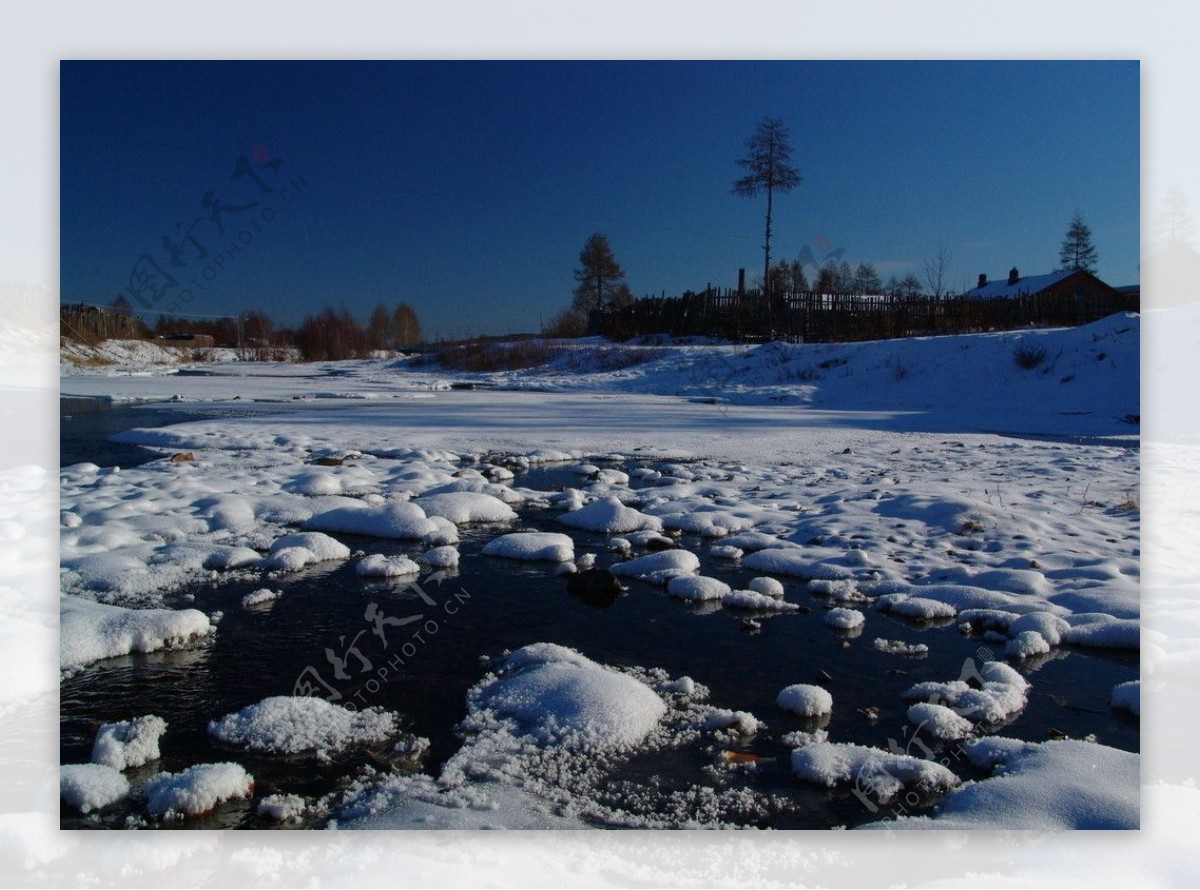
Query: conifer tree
x,y
1078,252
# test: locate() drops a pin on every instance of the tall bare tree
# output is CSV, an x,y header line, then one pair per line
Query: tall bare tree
x,y
769,169
937,271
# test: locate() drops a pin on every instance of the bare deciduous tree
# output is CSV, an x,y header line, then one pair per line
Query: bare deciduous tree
x,y
937,271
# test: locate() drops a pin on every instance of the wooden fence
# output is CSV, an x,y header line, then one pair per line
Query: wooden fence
x,y
810,317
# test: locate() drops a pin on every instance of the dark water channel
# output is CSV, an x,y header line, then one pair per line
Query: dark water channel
x,y
491,605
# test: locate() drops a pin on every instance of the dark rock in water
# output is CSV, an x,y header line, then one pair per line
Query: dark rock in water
x,y
596,587
656,544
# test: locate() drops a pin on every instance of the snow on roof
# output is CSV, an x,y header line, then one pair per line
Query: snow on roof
x,y
1029,284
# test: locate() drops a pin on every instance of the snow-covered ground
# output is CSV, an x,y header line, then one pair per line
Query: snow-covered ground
x,y
933,478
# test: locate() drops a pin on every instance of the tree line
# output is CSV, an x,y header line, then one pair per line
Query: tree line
x,y
329,335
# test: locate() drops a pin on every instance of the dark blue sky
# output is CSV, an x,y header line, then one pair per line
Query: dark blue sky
x,y
468,188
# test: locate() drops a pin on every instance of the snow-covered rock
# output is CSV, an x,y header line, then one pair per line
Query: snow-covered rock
x,y
557,696
533,546
462,507
91,631
302,725
610,516
91,786
659,568
196,790
805,700
379,566
844,619
696,588
128,743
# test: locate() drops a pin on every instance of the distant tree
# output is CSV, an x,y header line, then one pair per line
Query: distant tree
x,y
406,327
332,335
892,286
797,281
120,306
257,335
571,322
225,332
1175,224
779,281
937,271
623,298
845,277
866,280
910,286
768,169
379,328
1078,252
599,276
257,328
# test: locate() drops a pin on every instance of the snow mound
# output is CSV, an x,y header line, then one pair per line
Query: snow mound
x,y
559,697
533,546
939,721
659,568
282,807
91,631
441,557
742,722
91,786
707,522
299,725
759,602
724,551
805,700
1027,643
1001,694
404,521
792,562
752,541
1047,625
293,552
882,773
899,647
1128,696
697,588
1103,631
610,516
379,566
461,507
196,790
918,608
1051,786
766,586
844,619
260,597
321,546
128,743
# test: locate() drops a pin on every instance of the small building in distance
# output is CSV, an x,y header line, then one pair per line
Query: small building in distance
x,y
1065,284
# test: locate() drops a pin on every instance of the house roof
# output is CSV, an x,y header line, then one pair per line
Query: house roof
x,y
1029,284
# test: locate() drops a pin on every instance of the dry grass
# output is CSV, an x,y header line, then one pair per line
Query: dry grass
x,y
485,356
